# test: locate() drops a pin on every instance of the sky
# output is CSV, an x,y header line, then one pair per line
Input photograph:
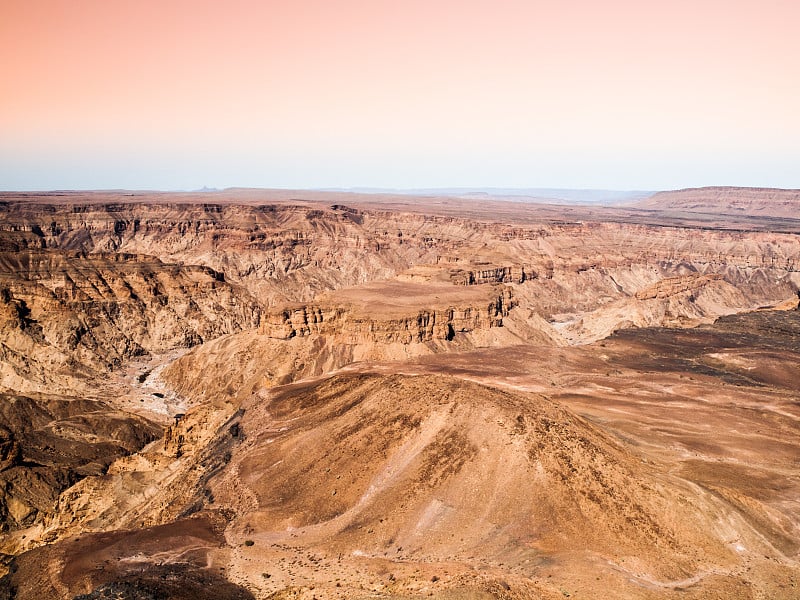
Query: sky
x,y
612,94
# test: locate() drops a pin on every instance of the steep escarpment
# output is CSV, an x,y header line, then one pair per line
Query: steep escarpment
x,y
393,312
483,274
287,252
294,251
392,320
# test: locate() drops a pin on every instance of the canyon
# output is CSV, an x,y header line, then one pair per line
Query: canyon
x,y
306,394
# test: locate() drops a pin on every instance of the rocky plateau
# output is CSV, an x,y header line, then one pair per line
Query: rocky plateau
x,y
286,394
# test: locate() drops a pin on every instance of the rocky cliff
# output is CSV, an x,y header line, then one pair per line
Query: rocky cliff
x,y
292,252
491,274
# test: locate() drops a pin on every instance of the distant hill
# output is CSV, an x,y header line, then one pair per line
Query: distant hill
x,y
543,195
756,202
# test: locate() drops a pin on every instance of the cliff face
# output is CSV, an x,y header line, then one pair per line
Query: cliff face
x,y
311,340
292,252
502,274
281,253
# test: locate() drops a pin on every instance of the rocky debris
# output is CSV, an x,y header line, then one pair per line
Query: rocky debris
x,y
178,581
169,561
758,348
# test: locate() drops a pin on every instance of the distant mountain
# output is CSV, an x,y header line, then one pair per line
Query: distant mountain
x,y
754,202
543,195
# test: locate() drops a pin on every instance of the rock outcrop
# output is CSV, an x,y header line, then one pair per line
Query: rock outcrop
x,y
503,274
673,286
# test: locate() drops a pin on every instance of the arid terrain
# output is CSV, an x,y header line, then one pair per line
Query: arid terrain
x,y
255,394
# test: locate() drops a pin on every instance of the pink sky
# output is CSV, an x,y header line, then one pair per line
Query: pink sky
x,y
616,94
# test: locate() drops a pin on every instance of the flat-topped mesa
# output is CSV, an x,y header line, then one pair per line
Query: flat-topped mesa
x,y
754,202
354,325
492,274
676,285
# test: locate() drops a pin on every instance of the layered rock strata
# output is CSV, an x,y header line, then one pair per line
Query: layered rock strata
x,y
355,326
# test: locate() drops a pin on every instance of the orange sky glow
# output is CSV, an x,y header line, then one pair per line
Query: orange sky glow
x,y
618,94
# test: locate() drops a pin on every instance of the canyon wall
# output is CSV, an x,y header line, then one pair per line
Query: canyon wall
x,y
86,285
291,253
